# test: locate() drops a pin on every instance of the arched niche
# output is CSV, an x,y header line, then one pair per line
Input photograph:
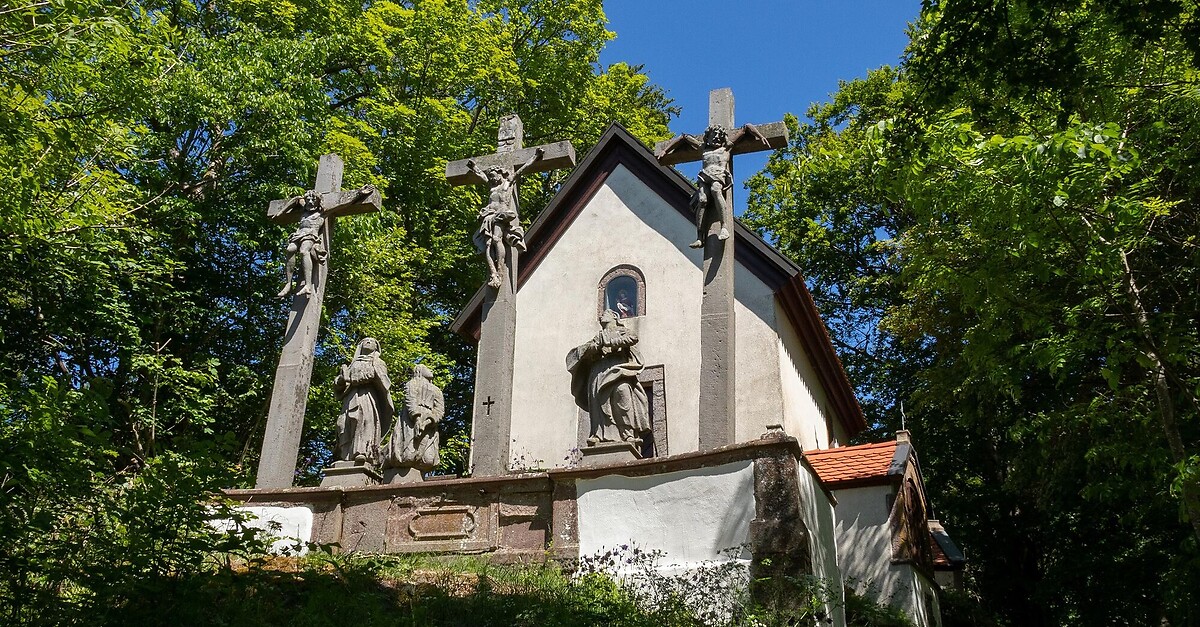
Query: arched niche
x,y
623,290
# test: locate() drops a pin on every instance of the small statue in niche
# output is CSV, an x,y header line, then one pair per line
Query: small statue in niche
x,y
604,380
364,388
716,176
415,439
499,219
625,306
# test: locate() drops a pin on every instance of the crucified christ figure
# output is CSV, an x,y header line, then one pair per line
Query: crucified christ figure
x,y
499,220
716,176
308,240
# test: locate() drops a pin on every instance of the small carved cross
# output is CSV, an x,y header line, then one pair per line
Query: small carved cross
x,y
488,403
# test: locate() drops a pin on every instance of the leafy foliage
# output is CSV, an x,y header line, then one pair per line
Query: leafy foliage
x,y
141,141
613,588
1003,231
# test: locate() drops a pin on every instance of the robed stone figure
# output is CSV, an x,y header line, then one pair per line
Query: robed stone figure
x,y
604,380
364,388
415,439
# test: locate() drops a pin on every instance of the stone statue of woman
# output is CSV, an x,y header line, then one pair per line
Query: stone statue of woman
x,y
364,388
415,439
604,380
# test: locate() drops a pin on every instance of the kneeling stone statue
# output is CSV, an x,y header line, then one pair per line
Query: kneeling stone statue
x,y
415,440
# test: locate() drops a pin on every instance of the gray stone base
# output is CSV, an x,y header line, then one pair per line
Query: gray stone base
x,y
604,453
403,475
350,474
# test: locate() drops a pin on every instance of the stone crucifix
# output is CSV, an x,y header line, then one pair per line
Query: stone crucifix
x,y
501,239
316,211
713,204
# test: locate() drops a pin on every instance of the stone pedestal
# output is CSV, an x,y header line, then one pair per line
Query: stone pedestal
x,y
403,475
604,453
350,475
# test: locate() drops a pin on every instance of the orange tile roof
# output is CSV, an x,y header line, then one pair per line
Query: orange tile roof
x,y
852,463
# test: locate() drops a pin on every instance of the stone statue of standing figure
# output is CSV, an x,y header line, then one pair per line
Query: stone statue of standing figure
x,y
604,380
499,219
415,439
716,176
364,388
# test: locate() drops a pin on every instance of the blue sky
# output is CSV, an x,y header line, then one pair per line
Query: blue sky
x,y
778,57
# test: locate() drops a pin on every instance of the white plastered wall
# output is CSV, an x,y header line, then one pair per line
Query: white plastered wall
x,y
627,223
556,311
805,404
692,516
864,539
759,388
290,526
819,517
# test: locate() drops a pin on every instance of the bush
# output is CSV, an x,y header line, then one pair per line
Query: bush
x,y
85,531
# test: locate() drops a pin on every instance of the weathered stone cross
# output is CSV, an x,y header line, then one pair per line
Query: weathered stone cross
x,y
713,203
316,212
492,418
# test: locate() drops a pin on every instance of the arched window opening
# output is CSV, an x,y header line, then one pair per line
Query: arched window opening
x,y
623,290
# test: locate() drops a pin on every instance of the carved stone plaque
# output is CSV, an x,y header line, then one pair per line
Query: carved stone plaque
x,y
431,524
442,523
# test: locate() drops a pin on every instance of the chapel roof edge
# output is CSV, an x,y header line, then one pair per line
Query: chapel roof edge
x,y
617,146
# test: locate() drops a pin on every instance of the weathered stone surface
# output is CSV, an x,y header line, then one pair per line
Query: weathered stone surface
x,y
289,395
604,380
350,474
491,419
396,476
364,389
779,540
535,516
714,195
502,241
555,156
605,453
415,441
775,132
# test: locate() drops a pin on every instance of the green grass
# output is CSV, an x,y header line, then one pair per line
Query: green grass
x,y
386,590
421,590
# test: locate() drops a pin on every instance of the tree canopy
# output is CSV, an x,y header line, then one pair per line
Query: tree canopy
x,y
1003,234
141,143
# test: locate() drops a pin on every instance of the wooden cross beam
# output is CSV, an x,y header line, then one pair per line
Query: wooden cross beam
x,y
713,202
289,396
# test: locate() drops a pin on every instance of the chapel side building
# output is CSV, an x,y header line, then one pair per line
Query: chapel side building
x,y
889,547
623,222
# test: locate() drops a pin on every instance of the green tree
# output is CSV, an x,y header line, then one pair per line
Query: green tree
x,y
1023,185
141,142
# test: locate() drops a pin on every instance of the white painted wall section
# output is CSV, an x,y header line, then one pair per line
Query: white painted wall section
x,y
759,400
804,399
818,513
692,516
624,223
291,527
864,540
